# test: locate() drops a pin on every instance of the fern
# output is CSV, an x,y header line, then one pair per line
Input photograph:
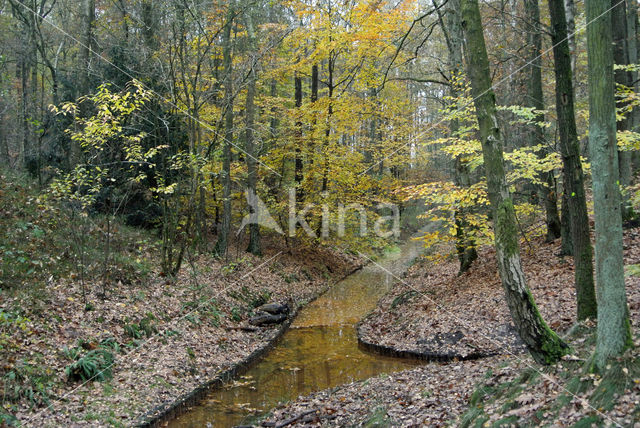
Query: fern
x,y
95,365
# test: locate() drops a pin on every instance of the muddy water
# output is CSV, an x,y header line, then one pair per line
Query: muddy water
x,y
319,351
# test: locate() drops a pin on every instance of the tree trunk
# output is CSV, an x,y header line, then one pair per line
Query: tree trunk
x,y
572,168
24,111
452,30
298,167
614,329
223,236
314,97
632,45
536,133
327,134
622,77
273,122
570,14
88,16
545,346
373,129
566,248
254,228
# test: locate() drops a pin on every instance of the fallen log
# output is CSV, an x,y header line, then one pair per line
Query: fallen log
x,y
274,308
264,319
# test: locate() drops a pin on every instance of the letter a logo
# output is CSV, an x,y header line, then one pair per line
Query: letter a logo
x,y
258,214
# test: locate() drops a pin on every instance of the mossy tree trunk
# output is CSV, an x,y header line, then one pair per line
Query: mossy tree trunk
x,y
566,248
614,331
570,13
536,133
545,346
572,168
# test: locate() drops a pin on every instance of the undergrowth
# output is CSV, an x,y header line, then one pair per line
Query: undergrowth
x,y
35,241
37,250
548,396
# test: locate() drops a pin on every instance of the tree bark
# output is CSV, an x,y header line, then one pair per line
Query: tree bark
x,y
614,329
327,134
299,165
254,228
543,344
566,248
572,168
570,13
223,235
452,30
313,98
632,47
88,17
536,133
622,77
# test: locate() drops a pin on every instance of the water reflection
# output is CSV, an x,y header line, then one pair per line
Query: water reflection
x,y
319,351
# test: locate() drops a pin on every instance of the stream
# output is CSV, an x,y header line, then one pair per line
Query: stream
x,y
319,351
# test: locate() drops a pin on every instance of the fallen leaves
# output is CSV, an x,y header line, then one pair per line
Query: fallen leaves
x,y
437,395
154,361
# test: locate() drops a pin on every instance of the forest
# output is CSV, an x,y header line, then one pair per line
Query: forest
x,y
319,213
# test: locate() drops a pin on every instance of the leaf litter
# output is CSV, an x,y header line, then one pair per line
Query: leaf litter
x,y
508,388
197,327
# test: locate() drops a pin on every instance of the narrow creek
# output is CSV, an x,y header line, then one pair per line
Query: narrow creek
x,y
319,351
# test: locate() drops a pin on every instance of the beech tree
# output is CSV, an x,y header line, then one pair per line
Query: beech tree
x,y
572,167
543,343
535,98
614,328
254,228
452,30
223,234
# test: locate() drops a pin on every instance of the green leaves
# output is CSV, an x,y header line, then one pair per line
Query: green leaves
x,y
95,365
100,137
526,115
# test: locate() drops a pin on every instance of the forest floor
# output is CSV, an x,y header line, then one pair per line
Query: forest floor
x,y
167,336
143,338
432,310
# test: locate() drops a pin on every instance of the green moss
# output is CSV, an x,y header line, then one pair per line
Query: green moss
x,y
603,392
611,386
554,348
402,299
506,230
528,375
577,386
628,340
509,405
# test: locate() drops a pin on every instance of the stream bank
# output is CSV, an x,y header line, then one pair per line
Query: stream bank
x,y
168,337
432,310
319,351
